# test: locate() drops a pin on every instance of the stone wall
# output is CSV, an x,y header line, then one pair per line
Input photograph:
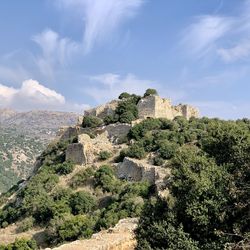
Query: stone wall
x,y
157,107
117,131
139,170
103,110
86,151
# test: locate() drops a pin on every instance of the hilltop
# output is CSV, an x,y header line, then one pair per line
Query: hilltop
x,y
184,177
24,135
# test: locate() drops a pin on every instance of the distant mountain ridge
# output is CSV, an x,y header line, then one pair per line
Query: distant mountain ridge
x,y
23,136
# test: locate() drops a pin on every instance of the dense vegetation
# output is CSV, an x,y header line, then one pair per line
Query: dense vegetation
x,y
65,213
209,202
20,244
209,197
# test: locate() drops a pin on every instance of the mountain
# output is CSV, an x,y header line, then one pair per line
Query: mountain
x,y
23,136
183,182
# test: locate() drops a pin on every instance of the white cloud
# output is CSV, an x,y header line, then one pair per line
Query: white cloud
x,y
201,35
33,95
55,50
100,17
109,86
239,51
213,33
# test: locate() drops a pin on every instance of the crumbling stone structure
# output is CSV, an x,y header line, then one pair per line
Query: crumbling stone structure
x,y
151,106
154,106
103,110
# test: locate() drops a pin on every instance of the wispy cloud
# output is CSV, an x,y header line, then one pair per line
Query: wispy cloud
x,y
55,50
33,95
239,51
101,18
109,86
227,36
201,35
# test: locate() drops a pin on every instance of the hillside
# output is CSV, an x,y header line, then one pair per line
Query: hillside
x,y
186,178
23,136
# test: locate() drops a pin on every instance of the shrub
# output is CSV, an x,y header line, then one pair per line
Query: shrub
x,y
105,179
20,244
127,117
167,149
82,202
91,122
104,155
69,228
158,161
150,92
5,224
81,178
64,168
124,95
136,151
26,224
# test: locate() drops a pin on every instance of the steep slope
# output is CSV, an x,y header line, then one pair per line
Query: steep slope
x,y
186,179
23,136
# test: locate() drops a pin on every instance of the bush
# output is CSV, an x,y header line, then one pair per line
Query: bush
x,y
158,161
127,117
136,151
26,224
82,202
81,178
104,155
167,149
150,92
124,95
64,168
91,122
20,244
69,228
105,179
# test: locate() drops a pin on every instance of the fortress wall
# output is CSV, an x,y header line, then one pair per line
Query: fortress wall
x,y
146,107
163,108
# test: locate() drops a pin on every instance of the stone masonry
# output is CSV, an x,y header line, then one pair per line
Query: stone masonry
x,y
152,106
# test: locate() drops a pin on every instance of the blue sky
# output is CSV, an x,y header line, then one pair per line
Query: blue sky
x,y
72,54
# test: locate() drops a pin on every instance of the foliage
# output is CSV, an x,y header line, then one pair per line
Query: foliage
x,y
81,177
209,201
69,228
20,244
91,122
104,155
124,95
26,224
82,202
150,92
64,168
105,179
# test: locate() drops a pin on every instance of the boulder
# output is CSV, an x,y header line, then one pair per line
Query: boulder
x,y
117,131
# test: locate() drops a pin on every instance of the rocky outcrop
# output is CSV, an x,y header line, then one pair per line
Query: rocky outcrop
x,y
121,237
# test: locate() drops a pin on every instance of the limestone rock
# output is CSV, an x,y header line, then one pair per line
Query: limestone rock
x,y
121,237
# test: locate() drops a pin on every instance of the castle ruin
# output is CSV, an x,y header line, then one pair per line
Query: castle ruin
x,y
152,106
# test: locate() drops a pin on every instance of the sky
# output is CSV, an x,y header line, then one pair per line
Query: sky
x,y
70,55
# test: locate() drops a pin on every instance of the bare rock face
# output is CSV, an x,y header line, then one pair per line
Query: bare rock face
x,y
139,170
156,107
121,237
